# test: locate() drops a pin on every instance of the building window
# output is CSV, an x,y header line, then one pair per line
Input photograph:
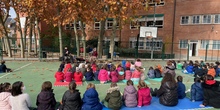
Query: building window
x,y
216,44
157,45
185,20
135,24
158,23
195,19
206,19
204,43
158,2
217,18
109,24
97,25
183,44
71,26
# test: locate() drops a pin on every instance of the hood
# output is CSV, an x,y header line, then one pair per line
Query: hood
x,y
110,90
170,85
91,93
198,85
45,96
4,96
171,67
213,85
130,89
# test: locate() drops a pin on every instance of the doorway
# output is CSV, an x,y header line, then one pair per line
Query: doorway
x,y
193,49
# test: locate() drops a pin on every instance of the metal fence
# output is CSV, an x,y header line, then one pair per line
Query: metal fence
x,y
212,52
49,48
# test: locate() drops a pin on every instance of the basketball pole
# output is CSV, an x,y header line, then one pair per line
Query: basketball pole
x,y
152,46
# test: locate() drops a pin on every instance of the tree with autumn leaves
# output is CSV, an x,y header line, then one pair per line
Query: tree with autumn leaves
x,y
61,12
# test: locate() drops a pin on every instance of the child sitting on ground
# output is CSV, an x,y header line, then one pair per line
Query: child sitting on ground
x,y
89,74
78,76
128,73
96,73
68,76
130,95
5,93
138,63
59,75
83,69
62,65
179,65
211,70
181,88
3,68
91,98
158,71
121,75
150,73
67,66
196,90
46,95
132,67
136,75
103,75
144,96
113,97
113,74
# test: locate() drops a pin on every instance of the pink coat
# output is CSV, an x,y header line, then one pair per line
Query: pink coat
x,y
103,75
128,74
144,97
136,74
4,101
114,76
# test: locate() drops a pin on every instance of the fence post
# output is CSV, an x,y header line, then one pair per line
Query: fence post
x,y
206,52
188,53
163,52
40,50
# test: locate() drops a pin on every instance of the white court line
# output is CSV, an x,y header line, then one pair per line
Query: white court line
x,y
16,70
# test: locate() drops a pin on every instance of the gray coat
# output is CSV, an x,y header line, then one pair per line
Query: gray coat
x,y
130,96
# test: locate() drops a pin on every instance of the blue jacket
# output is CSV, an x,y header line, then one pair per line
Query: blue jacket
x,y
181,90
91,100
189,69
196,92
151,74
89,76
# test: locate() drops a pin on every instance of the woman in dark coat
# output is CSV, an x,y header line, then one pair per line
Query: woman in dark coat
x,y
71,98
46,99
211,90
91,99
167,93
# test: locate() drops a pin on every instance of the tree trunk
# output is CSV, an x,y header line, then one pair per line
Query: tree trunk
x,y
77,39
112,42
100,39
30,37
83,38
35,41
60,38
25,33
39,37
8,47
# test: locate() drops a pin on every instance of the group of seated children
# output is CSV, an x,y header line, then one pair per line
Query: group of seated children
x,y
200,69
206,90
102,72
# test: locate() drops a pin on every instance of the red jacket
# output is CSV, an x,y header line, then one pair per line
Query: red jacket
x,y
59,76
68,76
136,74
144,97
67,66
114,76
78,76
128,65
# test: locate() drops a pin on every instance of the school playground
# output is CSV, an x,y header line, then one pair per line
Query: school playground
x,y
34,73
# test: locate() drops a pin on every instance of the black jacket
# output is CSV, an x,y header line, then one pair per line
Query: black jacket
x,y
71,101
167,94
211,94
46,101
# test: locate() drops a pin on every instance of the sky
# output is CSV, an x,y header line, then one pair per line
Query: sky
x,y
12,13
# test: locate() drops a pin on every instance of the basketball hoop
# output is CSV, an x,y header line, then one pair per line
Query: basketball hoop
x,y
149,37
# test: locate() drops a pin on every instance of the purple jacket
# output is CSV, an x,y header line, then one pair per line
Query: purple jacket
x,y
114,76
103,75
130,96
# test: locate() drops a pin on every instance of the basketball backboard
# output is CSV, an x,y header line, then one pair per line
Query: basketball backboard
x,y
148,31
